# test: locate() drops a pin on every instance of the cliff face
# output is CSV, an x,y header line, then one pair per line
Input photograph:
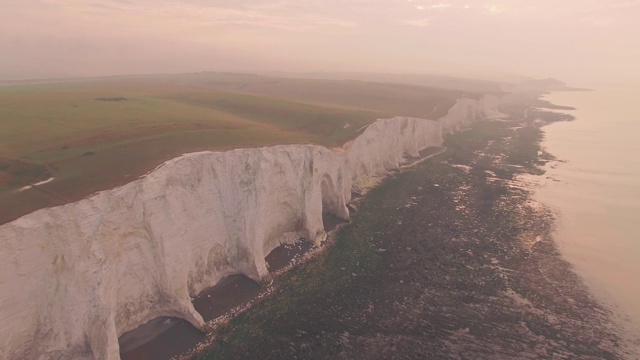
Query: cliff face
x,y
75,277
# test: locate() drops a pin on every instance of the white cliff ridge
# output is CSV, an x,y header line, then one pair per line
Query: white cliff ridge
x,y
75,277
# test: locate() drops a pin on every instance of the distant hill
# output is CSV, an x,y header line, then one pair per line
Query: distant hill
x,y
541,85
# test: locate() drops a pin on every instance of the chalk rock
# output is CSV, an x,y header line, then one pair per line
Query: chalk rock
x,y
74,278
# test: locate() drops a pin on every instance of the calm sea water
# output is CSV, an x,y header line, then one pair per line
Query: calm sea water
x,y
596,191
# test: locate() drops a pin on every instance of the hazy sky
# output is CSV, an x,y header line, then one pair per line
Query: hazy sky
x,y
573,40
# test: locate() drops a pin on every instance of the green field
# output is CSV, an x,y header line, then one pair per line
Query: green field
x,y
96,134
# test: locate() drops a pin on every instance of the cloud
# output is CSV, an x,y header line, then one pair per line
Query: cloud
x,y
440,6
495,8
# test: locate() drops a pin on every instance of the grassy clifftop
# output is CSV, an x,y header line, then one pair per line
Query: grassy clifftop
x,y
94,135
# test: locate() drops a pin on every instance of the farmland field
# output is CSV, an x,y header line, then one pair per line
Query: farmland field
x,y
96,134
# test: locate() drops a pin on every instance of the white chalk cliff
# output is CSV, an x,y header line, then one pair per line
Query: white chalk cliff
x,y
75,277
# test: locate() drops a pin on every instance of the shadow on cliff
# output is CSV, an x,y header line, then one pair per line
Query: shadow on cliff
x,y
164,337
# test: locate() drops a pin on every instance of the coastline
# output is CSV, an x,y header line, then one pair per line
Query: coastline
x,y
406,289
457,235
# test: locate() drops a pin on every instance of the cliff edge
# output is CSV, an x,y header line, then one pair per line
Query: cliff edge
x,y
77,276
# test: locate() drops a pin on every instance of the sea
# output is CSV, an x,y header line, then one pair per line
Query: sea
x,y
594,188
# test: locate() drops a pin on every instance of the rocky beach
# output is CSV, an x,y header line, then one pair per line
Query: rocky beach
x,y
450,259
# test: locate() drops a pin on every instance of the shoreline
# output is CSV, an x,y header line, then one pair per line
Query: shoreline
x,y
485,159
535,245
